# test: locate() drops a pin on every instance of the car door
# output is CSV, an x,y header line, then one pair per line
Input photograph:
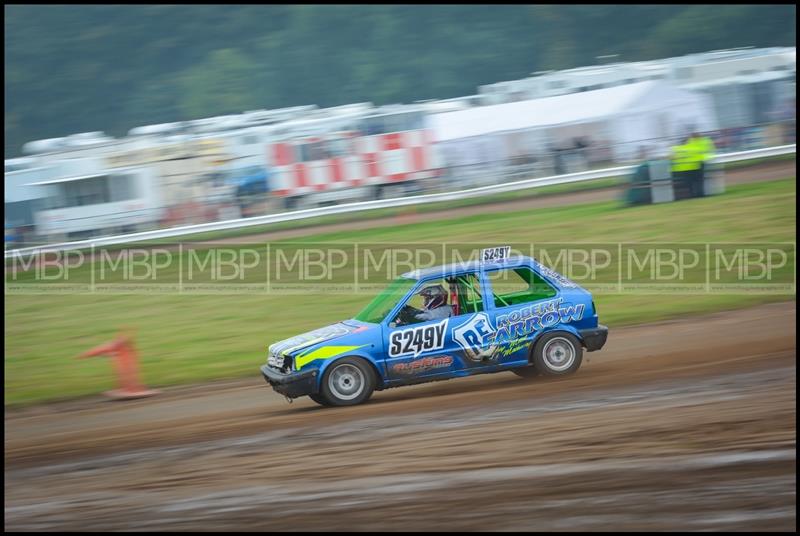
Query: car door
x,y
473,329
427,348
417,348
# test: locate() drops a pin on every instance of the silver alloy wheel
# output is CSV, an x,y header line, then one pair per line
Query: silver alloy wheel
x,y
346,381
559,354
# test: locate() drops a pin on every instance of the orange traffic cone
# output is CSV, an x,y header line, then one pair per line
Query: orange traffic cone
x,y
126,365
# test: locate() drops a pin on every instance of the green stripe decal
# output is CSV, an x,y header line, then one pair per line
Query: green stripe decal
x,y
326,352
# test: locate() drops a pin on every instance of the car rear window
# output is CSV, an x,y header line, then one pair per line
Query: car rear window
x,y
513,286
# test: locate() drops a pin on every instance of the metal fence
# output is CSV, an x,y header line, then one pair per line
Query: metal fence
x,y
509,186
207,197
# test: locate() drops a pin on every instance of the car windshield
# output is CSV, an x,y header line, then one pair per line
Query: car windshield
x,y
383,303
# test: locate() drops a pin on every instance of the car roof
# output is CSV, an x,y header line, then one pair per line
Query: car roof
x,y
469,266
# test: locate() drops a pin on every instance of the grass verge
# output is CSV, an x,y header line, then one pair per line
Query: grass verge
x,y
188,338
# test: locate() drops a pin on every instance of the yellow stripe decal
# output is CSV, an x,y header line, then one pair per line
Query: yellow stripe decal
x,y
326,352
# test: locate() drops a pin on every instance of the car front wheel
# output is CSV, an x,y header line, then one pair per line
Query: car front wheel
x,y
319,399
348,382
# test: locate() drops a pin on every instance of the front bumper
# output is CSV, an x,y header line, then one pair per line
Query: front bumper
x,y
594,338
293,384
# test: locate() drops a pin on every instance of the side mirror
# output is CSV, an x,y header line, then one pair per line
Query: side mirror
x,y
392,324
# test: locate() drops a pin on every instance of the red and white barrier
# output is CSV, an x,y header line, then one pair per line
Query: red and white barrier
x,y
371,160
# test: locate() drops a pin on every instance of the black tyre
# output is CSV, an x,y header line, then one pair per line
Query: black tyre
x,y
557,354
348,382
319,399
526,372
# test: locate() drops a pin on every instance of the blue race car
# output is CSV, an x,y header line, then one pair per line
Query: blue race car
x,y
500,313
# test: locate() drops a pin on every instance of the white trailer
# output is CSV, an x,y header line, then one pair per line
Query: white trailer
x,y
85,199
21,201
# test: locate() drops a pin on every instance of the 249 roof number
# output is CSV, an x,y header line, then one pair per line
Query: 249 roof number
x,y
495,254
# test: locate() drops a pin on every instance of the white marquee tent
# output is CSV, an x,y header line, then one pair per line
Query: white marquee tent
x,y
627,117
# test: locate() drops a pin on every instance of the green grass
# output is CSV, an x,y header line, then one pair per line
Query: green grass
x,y
192,338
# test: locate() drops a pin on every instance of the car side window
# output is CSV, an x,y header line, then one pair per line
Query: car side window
x,y
442,298
513,286
468,290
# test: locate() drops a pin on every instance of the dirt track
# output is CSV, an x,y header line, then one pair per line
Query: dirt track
x,y
679,425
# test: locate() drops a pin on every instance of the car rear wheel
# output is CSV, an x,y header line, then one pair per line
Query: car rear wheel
x,y
557,354
348,382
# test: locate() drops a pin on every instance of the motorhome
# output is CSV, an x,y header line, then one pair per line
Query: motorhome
x,y
83,198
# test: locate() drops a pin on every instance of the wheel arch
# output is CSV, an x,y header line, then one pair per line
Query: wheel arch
x,y
364,357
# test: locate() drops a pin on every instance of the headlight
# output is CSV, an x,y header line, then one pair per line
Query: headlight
x,y
275,360
281,362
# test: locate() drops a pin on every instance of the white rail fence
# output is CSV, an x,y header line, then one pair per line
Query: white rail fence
x,y
379,204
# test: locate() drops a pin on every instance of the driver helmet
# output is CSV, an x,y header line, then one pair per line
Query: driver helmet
x,y
434,296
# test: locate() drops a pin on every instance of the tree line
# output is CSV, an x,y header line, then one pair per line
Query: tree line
x,y
83,68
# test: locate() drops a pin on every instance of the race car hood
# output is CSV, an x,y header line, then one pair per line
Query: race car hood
x,y
301,342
